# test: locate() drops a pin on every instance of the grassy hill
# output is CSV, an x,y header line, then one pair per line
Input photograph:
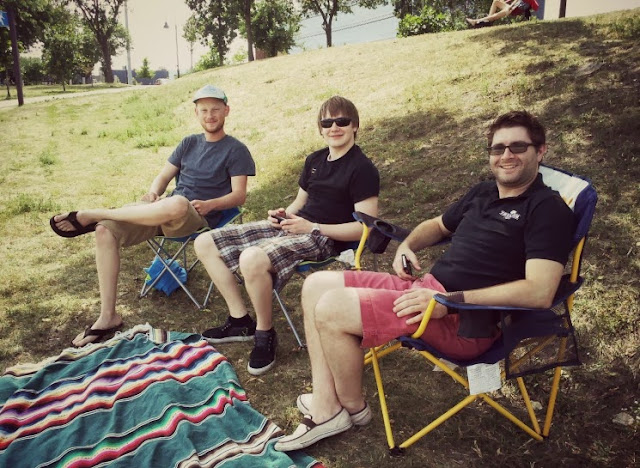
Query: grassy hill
x,y
424,103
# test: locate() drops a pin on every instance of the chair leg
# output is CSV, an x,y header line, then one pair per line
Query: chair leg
x,y
301,344
158,249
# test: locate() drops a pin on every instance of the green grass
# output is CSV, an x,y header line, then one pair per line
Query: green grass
x,y
424,102
55,89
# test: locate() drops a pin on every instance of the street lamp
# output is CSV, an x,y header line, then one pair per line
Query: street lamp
x,y
166,26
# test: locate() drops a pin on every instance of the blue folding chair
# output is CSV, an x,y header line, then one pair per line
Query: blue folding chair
x,y
533,340
170,264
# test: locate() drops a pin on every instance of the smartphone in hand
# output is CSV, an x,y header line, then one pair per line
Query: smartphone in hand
x,y
279,218
406,265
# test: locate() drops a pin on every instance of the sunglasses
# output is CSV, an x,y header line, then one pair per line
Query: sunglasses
x,y
340,122
518,147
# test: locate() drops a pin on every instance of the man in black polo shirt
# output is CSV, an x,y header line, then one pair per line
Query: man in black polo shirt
x,y
510,239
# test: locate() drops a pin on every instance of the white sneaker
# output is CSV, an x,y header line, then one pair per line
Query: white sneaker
x,y
361,418
308,432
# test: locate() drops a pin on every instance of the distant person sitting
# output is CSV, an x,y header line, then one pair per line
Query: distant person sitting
x,y
212,170
335,182
503,8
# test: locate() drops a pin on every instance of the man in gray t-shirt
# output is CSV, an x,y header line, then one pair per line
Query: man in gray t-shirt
x,y
211,171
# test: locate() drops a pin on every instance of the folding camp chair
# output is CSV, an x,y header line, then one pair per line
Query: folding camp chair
x,y
533,340
169,261
303,269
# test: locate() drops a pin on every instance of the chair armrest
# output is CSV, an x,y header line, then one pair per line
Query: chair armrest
x,y
385,228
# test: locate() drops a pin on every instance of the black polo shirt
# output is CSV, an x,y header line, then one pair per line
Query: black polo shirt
x,y
493,238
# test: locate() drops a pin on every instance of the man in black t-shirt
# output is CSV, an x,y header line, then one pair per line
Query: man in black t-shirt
x,y
335,182
510,240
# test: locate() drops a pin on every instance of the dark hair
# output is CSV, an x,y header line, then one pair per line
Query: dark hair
x,y
337,105
520,118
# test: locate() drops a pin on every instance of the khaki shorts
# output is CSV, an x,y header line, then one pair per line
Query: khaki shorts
x,y
128,234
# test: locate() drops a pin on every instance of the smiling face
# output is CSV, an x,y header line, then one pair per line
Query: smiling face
x,y
211,114
339,139
515,172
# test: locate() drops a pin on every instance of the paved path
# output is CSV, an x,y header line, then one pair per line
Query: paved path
x,y
13,103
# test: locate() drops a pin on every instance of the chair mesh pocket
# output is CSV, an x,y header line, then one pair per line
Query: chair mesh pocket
x,y
550,341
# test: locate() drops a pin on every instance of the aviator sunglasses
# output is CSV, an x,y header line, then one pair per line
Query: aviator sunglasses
x,y
340,122
517,147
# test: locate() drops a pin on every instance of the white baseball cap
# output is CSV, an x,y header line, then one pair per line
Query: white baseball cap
x,y
210,91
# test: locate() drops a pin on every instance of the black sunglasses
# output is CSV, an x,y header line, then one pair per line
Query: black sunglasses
x,y
517,147
340,122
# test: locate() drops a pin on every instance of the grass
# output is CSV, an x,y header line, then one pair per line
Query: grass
x,y
54,89
424,102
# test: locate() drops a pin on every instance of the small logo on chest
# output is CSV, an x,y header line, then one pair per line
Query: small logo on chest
x,y
313,170
513,214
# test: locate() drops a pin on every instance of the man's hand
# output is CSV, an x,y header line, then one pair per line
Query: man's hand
x,y
296,225
271,217
414,303
411,257
201,206
150,197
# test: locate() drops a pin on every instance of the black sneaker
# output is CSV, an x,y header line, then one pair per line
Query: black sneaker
x,y
228,332
263,356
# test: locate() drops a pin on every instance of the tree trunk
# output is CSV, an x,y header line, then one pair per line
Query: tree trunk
x,y
563,9
6,82
247,23
106,59
327,32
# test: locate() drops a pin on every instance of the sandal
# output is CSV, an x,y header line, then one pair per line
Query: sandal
x,y
72,218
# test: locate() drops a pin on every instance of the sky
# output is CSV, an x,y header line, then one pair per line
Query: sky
x,y
151,40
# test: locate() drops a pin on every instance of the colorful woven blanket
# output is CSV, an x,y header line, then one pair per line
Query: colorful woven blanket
x,y
145,398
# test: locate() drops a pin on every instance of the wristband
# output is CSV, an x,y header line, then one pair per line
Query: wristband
x,y
456,296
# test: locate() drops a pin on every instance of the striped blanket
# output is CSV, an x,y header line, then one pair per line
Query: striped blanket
x,y
145,398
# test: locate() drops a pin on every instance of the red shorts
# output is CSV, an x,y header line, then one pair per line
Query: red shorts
x,y
378,291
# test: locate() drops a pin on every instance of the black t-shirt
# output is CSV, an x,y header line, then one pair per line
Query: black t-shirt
x,y
493,238
335,186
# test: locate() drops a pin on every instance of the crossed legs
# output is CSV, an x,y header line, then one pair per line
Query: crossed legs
x,y
108,250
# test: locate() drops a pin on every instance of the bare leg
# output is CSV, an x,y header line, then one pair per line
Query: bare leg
x,y
499,9
222,277
333,327
148,214
108,265
256,270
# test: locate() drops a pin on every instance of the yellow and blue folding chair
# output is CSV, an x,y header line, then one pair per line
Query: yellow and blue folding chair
x,y
533,340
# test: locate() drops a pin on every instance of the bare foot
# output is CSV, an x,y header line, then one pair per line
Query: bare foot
x,y
101,330
471,21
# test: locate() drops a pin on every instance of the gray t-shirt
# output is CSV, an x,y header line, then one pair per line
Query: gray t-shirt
x,y
206,168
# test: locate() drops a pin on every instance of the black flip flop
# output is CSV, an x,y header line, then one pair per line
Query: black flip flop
x,y
102,335
72,218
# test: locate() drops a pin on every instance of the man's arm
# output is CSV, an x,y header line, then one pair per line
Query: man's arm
x,y
536,290
237,197
342,232
425,234
160,183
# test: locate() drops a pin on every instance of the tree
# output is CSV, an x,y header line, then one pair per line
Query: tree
x,y
246,7
32,70
145,71
61,45
329,9
89,52
31,18
190,34
275,23
217,22
101,16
